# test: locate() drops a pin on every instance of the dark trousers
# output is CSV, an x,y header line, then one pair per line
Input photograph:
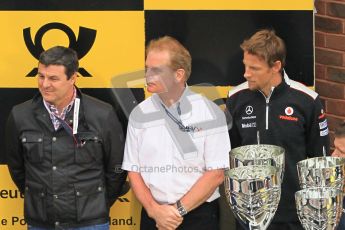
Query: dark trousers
x,y
204,217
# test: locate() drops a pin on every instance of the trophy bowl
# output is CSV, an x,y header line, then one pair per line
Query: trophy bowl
x,y
319,208
253,193
321,172
259,154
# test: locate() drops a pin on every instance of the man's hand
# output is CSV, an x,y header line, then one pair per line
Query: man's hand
x,y
166,217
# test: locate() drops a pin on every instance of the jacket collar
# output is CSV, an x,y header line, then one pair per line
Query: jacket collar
x,y
282,87
42,114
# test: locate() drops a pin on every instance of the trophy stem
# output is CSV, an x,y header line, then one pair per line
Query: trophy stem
x,y
258,136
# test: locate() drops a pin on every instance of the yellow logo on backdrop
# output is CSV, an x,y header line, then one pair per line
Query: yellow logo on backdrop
x,y
109,43
82,45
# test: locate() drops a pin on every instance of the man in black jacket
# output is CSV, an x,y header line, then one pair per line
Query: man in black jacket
x,y
281,112
63,150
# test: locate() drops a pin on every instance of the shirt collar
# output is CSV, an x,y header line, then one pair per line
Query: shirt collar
x,y
185,106
179,101
52,109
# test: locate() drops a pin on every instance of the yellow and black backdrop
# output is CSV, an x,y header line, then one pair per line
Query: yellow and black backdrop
x,y
110,38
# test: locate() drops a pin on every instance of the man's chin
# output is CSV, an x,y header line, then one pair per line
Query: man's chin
x,y
48,99
252,87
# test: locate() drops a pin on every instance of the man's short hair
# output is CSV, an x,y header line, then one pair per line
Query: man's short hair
x,y
340,130
179,56
59,55
267,45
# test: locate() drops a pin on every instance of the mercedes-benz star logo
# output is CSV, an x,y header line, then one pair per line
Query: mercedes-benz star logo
x,y
249,109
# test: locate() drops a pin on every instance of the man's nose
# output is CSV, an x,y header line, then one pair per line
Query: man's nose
x,y
246,74
45,83
152,78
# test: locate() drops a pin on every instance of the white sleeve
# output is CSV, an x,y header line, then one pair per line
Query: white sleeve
x,y
217,142
217,148
131,154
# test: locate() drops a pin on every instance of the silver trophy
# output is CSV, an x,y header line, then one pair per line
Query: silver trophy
x,y
253,193
259,154
319,208
315,174
322,172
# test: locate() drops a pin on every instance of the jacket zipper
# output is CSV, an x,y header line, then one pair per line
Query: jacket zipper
x,y
267,99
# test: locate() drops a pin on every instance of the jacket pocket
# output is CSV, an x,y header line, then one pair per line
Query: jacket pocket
x,y
35,202
90,149
91,201
32,143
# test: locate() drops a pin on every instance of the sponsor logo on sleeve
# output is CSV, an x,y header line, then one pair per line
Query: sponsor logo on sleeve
x,y
324,132
322,115
323,124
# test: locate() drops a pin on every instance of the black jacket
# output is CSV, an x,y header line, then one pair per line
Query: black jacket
x,y
292,118
63,184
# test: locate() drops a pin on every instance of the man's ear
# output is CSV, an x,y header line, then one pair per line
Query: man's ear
x,y
73,78
180,75
277,66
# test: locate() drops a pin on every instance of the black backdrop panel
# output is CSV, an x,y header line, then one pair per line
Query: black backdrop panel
x,y
66,5
213,38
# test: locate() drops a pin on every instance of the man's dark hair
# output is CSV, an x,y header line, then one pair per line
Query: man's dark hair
x,y
267,45
340,130
59,55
